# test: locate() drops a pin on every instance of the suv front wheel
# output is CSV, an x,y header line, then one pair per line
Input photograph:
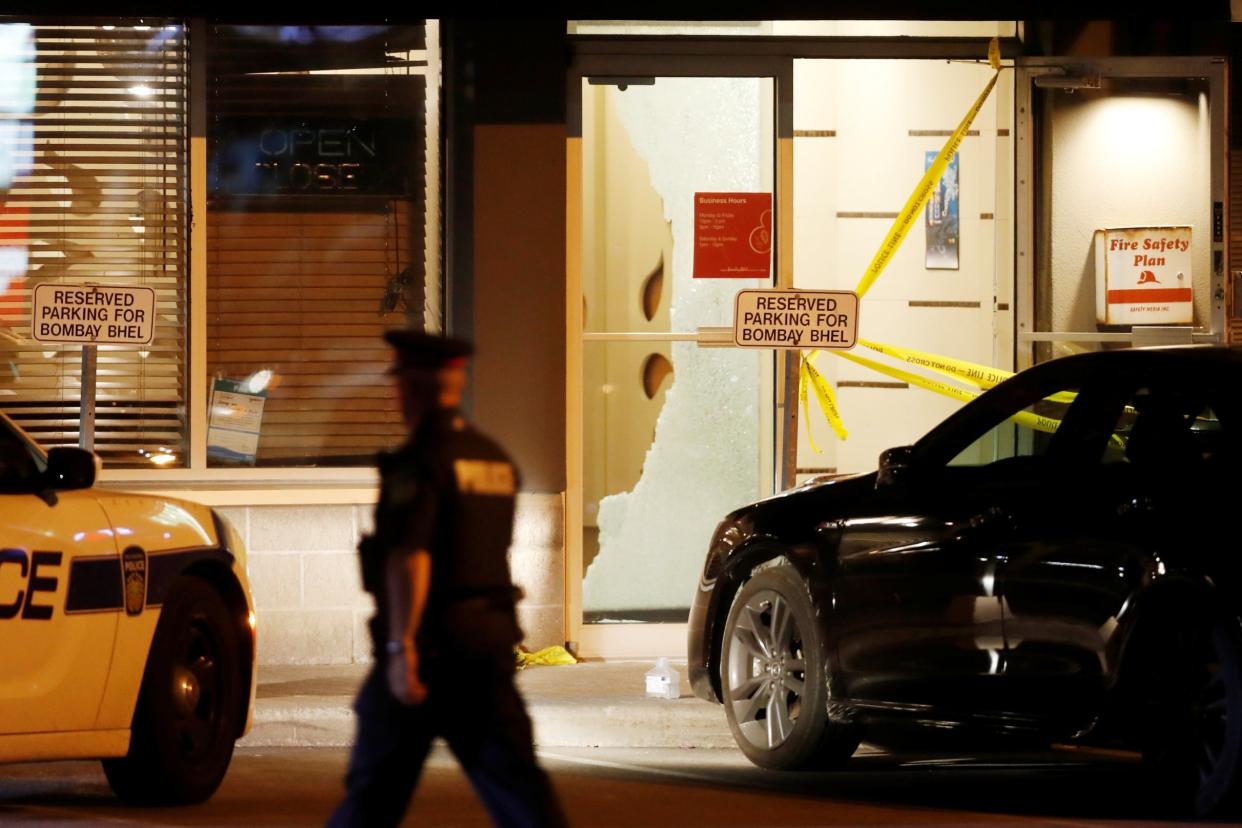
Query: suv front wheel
x,y
773,669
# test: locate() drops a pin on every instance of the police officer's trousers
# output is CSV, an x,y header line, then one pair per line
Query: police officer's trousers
x,y
478,711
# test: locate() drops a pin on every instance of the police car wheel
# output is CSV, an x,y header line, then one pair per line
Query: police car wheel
x,y
186,719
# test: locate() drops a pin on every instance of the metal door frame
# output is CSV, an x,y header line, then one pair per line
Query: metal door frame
x,y
609,65
1027,251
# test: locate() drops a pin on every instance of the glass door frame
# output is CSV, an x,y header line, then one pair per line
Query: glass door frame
x,y
648,639
1028,217
617,58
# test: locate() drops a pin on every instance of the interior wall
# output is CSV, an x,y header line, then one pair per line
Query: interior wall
x,y
1123,160
862,129
504,230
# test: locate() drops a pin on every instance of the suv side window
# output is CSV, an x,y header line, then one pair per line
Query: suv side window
x,y
1026,433
1166,428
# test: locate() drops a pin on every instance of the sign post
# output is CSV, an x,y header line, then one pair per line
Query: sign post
x,y
86,408
91,315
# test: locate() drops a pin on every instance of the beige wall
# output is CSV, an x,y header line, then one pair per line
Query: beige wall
x,y
1125,160
308,594
519,296
861,129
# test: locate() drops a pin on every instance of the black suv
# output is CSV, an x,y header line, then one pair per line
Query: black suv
x,y
1057,562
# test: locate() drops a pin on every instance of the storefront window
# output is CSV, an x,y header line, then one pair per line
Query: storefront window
x,y
315,239
92,192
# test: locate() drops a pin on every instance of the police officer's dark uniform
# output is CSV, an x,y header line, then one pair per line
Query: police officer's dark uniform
x,y
449,490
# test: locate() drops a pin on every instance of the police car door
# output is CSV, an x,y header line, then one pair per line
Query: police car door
x,y
60,595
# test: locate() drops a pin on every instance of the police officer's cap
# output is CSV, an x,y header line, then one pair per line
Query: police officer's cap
x,y
421,351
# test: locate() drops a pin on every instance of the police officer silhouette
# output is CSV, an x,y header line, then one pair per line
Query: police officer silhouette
x,y
445,625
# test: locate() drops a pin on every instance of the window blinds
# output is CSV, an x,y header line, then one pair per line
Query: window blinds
x,y
95,193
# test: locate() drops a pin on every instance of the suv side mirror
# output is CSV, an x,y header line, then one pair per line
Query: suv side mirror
x,y
896,468
70,468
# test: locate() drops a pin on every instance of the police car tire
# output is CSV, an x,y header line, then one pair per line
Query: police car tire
x,y
180,748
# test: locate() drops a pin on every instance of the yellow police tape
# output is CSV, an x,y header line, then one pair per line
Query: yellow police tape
x,y
1023,418
548,655
983,376
914,204
807,374
1028,419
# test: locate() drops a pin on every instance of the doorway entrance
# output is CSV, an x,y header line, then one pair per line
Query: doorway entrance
x,y
668,434
674,435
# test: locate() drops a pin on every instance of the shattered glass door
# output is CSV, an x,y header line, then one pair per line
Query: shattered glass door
x,y
675,434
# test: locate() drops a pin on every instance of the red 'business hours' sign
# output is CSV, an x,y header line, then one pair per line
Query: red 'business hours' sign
x,y
733,235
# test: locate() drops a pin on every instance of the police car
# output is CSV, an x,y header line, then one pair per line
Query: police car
x,y
126,627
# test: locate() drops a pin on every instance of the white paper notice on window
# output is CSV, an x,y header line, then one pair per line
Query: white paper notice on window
x,y
222,441
240,412
234,422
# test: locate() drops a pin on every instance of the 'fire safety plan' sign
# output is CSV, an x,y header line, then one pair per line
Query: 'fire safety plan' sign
x,y
1143,276
795,319
93,314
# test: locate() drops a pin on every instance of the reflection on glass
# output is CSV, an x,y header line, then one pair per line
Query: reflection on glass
x,y
316,193
92,191
17,90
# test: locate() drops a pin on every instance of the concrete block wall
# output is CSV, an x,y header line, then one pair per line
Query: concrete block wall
x,y
308,593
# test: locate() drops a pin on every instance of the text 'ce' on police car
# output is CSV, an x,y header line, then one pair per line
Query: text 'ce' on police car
x,y
126,628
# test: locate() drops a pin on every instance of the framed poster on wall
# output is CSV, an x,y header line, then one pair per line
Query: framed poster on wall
x,y
942,218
